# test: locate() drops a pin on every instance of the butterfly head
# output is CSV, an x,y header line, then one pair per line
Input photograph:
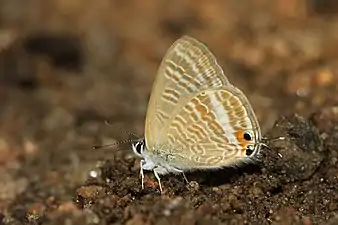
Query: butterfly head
x,y
138,147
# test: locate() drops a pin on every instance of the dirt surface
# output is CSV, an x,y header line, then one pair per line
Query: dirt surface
x,y
67,66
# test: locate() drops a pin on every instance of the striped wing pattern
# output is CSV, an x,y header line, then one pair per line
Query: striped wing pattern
x,y
187,69
207,132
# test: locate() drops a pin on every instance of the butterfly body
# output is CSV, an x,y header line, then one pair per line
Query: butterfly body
x,y
195,118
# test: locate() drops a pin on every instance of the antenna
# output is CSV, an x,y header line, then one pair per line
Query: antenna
x,y
112,144
118,142
272,139
121,129
104,146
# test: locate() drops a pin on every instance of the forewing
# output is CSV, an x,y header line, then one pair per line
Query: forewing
x,y
207,131
187,68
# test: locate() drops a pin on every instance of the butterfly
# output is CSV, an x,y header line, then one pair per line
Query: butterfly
x,y
196,119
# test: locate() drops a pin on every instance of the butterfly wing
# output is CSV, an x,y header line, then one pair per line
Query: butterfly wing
x,y
209,130
187,68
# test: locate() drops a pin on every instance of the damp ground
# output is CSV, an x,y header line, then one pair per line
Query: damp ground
x,y
67,67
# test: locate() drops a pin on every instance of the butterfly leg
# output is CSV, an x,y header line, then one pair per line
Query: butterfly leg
x,y
158,180
185,178
141,173
181,172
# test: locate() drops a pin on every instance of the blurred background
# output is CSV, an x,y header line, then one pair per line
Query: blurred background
x,y
66,66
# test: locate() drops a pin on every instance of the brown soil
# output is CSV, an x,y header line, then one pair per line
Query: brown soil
x,y
67,66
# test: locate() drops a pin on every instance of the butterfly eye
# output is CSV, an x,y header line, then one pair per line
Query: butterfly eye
x,y
249,150
247,136
138,147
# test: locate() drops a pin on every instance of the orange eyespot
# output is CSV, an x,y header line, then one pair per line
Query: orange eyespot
x,y
244,139
244,136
